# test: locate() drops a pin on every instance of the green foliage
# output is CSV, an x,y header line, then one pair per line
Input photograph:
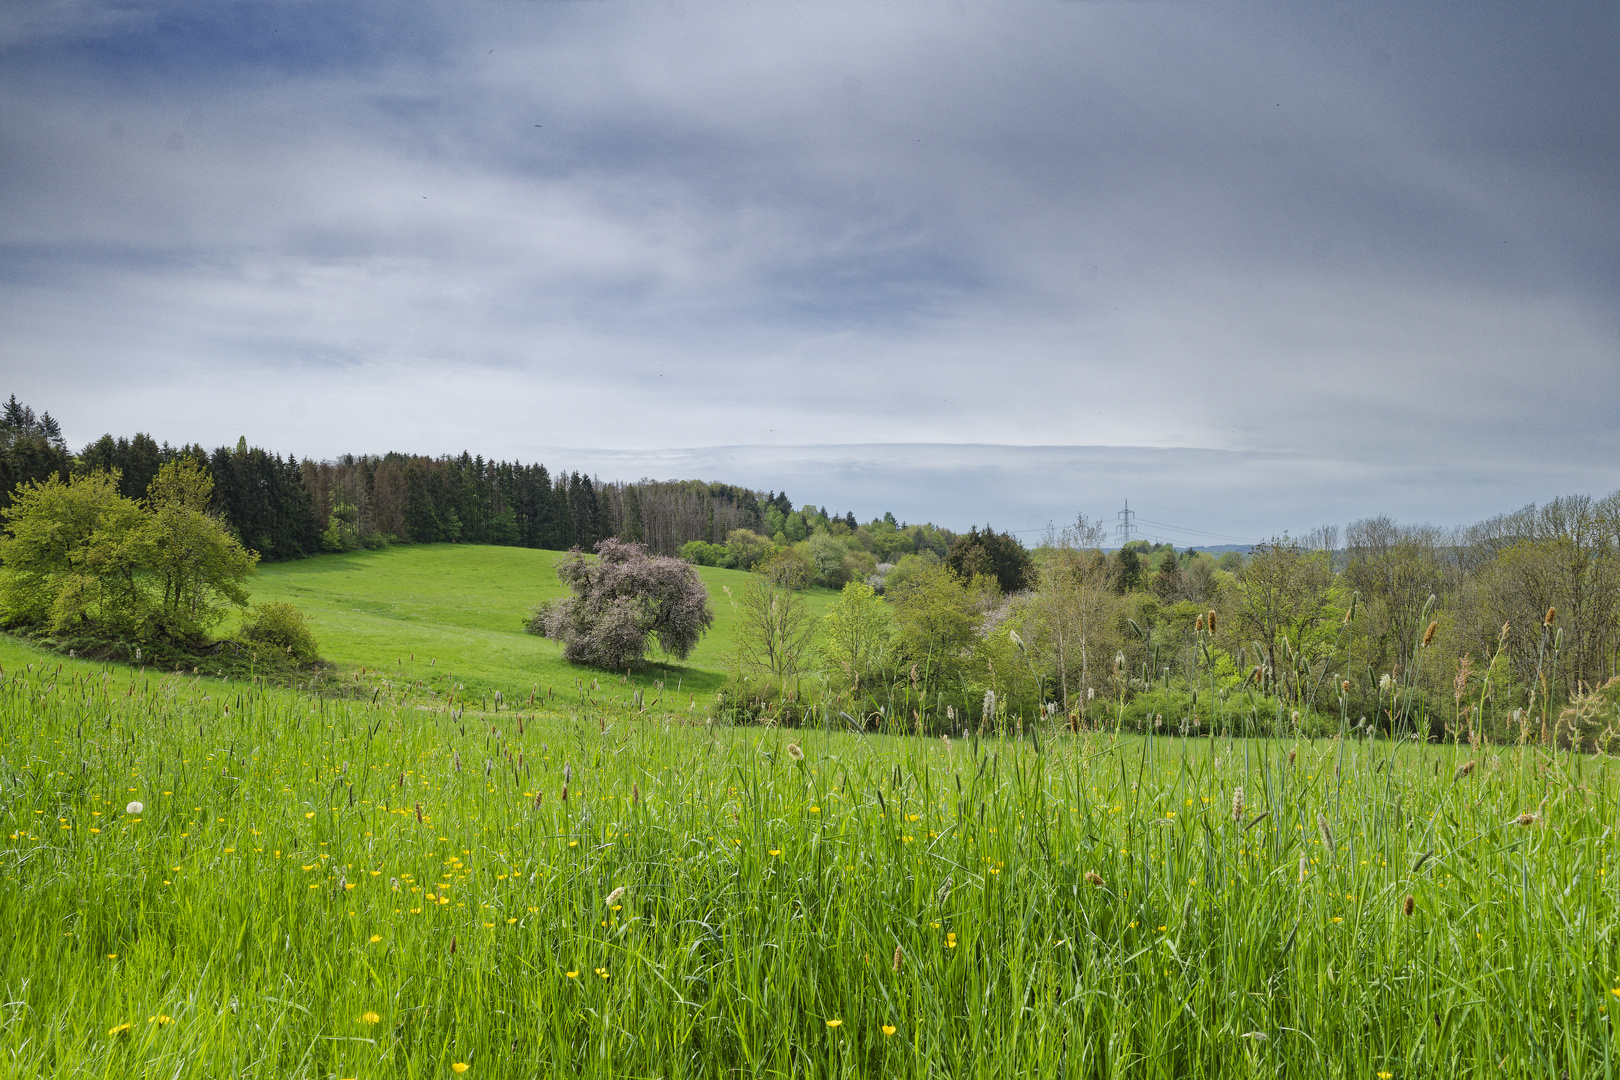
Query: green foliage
x,y
830,560
748,548
79,558
855,636
789,568
281,628
998,556
934,622
703,553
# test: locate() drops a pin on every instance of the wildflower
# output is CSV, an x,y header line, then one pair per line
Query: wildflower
x,y
614,896
794,752
160,1019
310,814
1385,1075
950,940
775,852
834,1023
888,1029
119,1032
459,1066
369,1018
134,808
376,938
572,974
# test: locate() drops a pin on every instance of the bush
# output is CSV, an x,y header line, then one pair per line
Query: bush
x,y
280,627
703,553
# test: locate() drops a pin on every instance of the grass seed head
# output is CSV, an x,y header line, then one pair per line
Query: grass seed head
x,y
615,896
1327,834
1552,613
1407,905
1237,803
899,955
1094,878
1304,864
794,752
1428,632
1463,770
1209,620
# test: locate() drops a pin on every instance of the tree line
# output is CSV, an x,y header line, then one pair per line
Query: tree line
x,y
1508,629
286,507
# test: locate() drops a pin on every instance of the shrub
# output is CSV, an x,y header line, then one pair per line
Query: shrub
x,y
280,627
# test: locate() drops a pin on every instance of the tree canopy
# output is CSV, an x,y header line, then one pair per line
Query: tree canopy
x,y
621,600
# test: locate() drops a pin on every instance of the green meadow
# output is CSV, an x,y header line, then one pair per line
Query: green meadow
x,y
448,615
318,887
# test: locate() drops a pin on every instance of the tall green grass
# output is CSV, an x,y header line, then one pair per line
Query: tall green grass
x,y
320,888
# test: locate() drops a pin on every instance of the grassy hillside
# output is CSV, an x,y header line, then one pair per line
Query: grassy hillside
x,y
450,614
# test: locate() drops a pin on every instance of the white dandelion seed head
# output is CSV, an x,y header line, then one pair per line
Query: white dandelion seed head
x,y
134,808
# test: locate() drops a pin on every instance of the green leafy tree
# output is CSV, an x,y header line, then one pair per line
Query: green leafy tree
x,y
855,635
790,568
994,555
935,622
281,629
198,569
72,557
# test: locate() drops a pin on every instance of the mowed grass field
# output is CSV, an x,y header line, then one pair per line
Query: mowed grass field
x,y
453,614
329,888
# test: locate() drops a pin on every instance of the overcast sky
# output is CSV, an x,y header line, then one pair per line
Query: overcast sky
x,y
1254,267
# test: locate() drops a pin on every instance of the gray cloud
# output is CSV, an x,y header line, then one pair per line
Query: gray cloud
x,y
1307,263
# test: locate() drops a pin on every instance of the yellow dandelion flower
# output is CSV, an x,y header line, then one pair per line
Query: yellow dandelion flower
x,y
310,814
160,1020
834,1023
776,851
1385,1075
512,920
